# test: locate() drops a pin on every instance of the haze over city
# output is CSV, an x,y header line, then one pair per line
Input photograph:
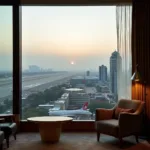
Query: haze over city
x,y
62,38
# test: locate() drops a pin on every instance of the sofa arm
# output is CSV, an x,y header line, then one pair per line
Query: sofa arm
x,y
103,114
129,123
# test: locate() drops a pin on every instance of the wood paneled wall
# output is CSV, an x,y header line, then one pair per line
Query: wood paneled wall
x,y
141,50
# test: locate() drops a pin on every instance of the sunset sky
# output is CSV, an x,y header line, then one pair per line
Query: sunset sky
x,y
54,37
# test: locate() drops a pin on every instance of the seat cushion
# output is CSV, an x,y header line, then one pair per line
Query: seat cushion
x,y
109,127
1,137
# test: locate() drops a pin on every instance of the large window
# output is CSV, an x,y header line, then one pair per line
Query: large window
x,y
69,60
5,59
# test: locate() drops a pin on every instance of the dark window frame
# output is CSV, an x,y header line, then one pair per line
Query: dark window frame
x,y
17,46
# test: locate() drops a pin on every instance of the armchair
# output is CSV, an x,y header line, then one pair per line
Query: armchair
x,y
8,126
125,124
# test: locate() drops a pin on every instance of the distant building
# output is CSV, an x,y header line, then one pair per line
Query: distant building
x,y
78,99
104,89
87,80
115,69
34,68
99,98
65,98
102,73
88,73
59,105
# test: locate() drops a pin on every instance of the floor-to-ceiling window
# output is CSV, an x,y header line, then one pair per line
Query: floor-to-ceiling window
x,y
6,59
69,60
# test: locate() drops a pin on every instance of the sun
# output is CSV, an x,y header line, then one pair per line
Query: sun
x,y
72,62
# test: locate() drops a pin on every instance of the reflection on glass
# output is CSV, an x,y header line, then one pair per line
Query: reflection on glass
x,y
5,59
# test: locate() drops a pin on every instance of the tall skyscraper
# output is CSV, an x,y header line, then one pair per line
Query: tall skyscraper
x,y
115,70
88,73
102,73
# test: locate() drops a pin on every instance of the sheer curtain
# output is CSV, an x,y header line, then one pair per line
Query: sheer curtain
x,y
124,73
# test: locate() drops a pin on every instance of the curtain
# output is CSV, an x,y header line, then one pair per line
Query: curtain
x,y
141,50
124,30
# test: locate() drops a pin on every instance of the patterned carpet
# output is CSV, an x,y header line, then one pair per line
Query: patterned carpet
x,y
74,141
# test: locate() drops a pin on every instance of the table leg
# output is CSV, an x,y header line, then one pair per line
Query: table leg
x,y
50,131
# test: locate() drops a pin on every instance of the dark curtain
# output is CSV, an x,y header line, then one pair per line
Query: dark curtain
x,y
141,50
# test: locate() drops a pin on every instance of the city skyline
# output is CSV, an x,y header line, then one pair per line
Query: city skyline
x,y
58,36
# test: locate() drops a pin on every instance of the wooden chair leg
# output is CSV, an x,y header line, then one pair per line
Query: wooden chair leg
x,y
7,142
98,136
14,136
120,142
1,146
136,137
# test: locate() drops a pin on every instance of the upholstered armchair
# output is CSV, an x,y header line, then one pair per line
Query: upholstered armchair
x,y
8,126
123,120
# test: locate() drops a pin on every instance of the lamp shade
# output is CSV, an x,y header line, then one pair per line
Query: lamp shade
x,y
136,77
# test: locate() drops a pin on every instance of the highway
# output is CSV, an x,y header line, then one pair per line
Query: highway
x,y
34,83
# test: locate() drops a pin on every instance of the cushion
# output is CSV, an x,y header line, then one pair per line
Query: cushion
x,y
118,110
105,114
110,127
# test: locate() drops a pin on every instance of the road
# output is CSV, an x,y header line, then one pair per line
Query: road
x,y
34,83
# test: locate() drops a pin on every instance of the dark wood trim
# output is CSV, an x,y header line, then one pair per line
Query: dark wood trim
x,y
64,2
74,126
9,2
17,55
74,2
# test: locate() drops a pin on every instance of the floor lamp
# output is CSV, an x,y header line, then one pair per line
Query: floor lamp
x,y
136,77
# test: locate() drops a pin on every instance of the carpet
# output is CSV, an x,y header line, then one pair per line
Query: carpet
x,y
74,141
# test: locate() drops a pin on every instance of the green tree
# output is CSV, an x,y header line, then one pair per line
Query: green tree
x,y
8,103
35,99
34,112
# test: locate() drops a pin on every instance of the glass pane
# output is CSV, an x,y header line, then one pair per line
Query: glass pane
x,y
68,60
5,59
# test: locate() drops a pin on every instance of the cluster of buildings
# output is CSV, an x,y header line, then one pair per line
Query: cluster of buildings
x,y
89,88
115,70
36,69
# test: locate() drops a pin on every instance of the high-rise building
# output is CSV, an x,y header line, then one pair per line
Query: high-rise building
x,y
34,68
115,70
102,73
88,73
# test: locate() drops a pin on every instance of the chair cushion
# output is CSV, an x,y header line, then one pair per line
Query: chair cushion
x,y
105,114
118,110
110,126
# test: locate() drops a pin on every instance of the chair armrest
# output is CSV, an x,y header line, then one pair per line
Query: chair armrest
x,y
129,123
8,117
103,114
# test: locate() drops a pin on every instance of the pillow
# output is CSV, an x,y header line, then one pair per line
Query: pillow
x,y
118,110
105,114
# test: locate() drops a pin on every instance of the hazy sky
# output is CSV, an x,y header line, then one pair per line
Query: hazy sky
x,y
53,37
5,37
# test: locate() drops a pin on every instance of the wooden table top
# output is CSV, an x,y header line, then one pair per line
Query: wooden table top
x,y
50,119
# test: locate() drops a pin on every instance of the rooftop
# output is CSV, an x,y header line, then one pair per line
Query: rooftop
x,y
74,89
85,77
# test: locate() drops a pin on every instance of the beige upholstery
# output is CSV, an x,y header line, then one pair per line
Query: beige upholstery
x,y
127,124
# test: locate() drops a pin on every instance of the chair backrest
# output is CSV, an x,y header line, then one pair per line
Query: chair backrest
x,y
136,105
